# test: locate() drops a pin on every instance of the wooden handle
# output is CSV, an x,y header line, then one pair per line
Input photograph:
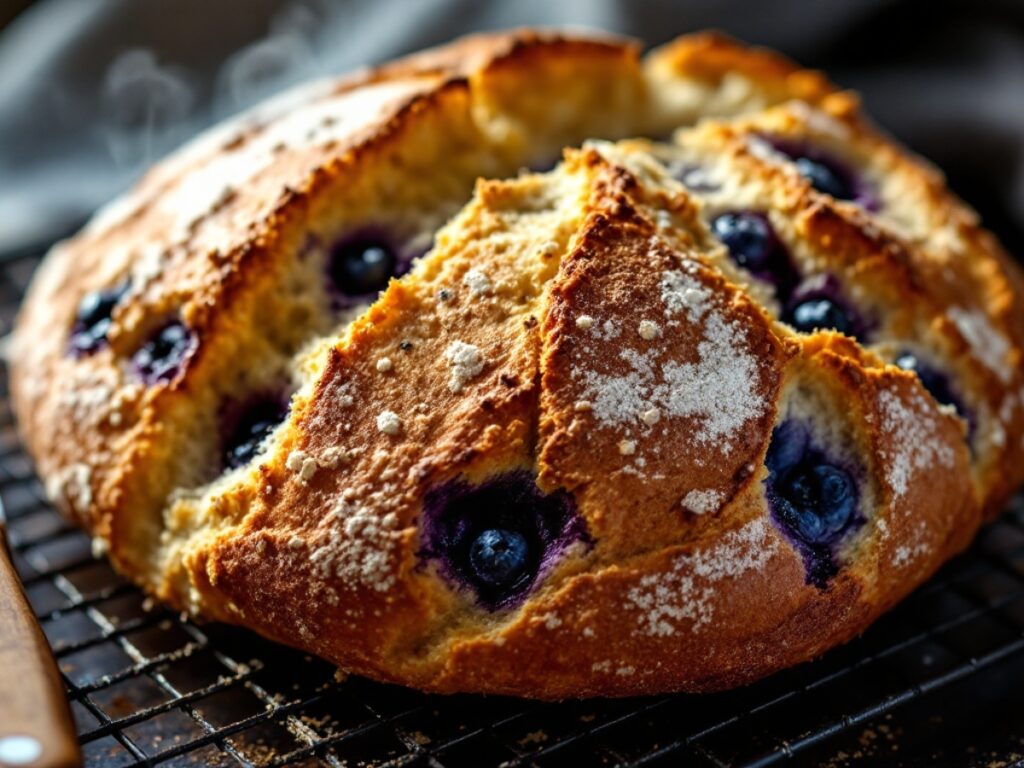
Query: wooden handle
x,y
35,722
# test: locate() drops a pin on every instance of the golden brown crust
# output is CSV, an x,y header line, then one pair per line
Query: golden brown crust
x,y
614,351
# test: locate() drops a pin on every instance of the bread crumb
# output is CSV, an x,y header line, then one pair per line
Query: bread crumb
x,y
389,423
582,406
584,322
477,282
627,447
302,464
466,362
551,621
700,502
345,399
649,330
650,417
384,365
335,456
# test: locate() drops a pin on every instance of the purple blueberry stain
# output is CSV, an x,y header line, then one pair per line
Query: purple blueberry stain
x,y
812,498
246,426
818,304
93,319
361,264
500,538
162,356
827,173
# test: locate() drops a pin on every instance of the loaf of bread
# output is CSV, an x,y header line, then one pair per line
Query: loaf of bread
x,y
530,366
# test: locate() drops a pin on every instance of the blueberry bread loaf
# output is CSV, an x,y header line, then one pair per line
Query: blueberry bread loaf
x,y
531,366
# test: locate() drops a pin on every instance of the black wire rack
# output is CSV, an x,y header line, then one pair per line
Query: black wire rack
x,y
937,681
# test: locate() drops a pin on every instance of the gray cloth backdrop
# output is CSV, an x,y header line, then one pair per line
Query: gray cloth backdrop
x,y
92,91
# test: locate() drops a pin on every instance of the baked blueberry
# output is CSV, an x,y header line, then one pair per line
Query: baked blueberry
x,y
825,178
753,245
363,265
817,304
499,557
812,497
93,319
816,501
827,173
161,357
748,236
251,427
499,538
815,314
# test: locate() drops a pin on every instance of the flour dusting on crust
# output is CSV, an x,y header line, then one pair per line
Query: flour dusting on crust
x,y
359,549
917,444
685,595
719,388
991,346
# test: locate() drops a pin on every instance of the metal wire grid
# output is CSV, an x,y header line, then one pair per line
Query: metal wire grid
x,y
148,687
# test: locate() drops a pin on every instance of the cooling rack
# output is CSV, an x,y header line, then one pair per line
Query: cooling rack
x,y
937,681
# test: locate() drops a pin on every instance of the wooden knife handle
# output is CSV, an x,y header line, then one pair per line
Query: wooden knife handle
x,y
35,722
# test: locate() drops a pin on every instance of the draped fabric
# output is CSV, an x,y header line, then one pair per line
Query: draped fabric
x,y
92,92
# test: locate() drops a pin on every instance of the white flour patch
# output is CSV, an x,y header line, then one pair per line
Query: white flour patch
x,y
914,431
991,346
360,547
909,553
718,389
685,594
681,292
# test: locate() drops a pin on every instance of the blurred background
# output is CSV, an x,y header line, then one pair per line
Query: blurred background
x,y
92,91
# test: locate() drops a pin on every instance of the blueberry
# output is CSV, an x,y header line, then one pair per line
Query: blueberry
x,y
812,498
363,265
825,178
162,355
826,173
748,236
499,557
93,319
818,500
497,539
257,421
819,313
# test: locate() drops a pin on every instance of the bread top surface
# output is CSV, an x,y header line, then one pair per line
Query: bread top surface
x,y
577,340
